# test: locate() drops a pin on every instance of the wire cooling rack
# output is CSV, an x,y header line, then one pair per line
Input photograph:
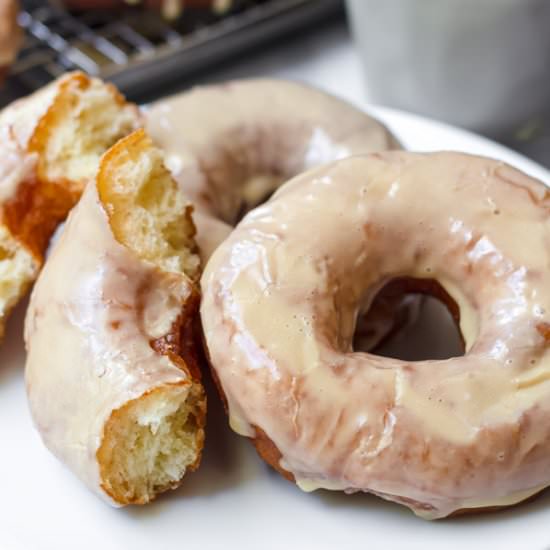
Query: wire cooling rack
x,y
138,50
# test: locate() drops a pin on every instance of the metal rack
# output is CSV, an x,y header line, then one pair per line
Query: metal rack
x,y
138,50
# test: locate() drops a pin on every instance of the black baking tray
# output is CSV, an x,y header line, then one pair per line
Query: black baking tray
x,y
139,50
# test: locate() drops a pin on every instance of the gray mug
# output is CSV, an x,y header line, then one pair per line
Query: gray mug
x,y
480,64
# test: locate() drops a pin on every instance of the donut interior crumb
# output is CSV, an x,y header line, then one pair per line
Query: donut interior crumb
x,y
88,117
151,216
17,267
152,441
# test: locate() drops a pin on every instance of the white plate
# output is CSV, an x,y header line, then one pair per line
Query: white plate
x,y
234,501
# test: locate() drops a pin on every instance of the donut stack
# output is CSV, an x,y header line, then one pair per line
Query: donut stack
x,y
256,223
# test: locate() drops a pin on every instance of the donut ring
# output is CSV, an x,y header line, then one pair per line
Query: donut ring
x,y
231,145
113,328
280,300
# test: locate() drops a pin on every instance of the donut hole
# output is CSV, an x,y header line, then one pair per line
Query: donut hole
x,y
245,165
418,319
250,187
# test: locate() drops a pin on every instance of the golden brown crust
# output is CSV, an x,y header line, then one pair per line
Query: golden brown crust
x,y
34,212
190,345
182,343
269,452
544,330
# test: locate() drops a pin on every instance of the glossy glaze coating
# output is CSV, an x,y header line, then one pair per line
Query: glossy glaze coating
x,y
282,293
233,144
92,329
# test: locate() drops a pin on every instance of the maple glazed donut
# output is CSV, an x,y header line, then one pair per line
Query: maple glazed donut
x,y
280,300
112,372
231,145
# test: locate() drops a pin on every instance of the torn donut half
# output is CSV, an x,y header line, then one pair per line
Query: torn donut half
x,y
50,146
112,371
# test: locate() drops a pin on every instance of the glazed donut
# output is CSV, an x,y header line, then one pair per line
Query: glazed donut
x,y
231,145
11,34
51,145
280,301
112,376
